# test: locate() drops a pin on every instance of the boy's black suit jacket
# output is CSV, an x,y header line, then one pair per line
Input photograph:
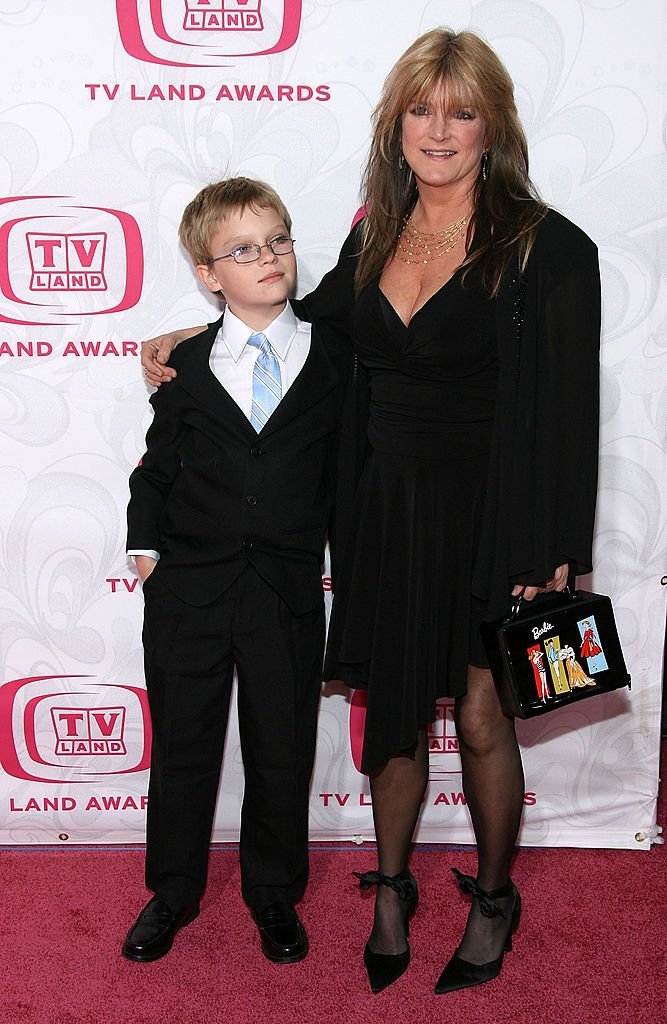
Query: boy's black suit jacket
x,y
211,494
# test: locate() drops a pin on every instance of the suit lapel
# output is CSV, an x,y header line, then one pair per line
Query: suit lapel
x,y
197,378
316,379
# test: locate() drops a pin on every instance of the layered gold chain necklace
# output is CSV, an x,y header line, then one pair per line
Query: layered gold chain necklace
x,y
415,246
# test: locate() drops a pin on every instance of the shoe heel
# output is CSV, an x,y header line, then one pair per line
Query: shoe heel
x,y
516,914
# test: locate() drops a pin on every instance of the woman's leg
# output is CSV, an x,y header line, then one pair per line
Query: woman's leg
x,y
493,784
397,791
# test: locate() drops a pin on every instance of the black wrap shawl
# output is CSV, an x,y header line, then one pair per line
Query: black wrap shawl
x,y
542,481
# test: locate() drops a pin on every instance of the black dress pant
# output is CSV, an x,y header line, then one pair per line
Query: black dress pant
x,y
190,654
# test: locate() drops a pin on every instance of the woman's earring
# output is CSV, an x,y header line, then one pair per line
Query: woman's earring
x,y
485,165
401,162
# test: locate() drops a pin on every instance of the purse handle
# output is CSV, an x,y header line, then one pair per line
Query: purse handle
x,y
520,602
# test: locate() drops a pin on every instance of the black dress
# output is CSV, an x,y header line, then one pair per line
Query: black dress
x,y
415,505
405,622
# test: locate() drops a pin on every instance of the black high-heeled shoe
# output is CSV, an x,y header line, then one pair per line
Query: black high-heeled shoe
x,y
384,968
460,973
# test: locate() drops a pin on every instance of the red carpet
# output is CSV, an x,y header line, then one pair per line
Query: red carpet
x,y
591,946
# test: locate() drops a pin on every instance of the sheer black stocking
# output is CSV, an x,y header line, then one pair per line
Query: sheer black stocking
x,y
493,784
397,791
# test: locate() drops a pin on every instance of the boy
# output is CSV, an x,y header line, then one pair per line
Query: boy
x,y
233,498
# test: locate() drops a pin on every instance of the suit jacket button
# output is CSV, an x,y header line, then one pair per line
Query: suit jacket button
x,y
246,544
256,452
251,499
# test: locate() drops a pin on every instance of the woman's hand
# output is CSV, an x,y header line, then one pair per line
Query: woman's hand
x,y
145,565
156,351
557,582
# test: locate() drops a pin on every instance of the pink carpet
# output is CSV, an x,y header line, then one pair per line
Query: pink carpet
x,y
591,946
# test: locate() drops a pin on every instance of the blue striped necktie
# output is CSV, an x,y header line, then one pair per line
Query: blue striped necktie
x,y
266,385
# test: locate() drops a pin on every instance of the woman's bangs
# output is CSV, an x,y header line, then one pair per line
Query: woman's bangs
x,y
450,93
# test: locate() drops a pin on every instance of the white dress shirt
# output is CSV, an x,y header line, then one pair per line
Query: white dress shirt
x,y
232,360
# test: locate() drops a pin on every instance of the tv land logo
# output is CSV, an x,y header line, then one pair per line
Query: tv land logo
x,y
59,259
71,729
206,33
85,730
67,263
223,16
442,737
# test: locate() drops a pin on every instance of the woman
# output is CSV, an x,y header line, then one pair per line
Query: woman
x,y
472,419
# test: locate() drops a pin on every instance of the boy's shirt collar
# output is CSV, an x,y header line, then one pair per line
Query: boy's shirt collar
x,y
280,333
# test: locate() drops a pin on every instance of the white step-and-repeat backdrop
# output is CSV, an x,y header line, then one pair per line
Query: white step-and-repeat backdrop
x,y
112,116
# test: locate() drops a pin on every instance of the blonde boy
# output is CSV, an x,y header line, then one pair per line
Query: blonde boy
x,y
226,520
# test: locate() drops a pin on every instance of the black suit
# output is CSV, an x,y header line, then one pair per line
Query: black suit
x,y
239,519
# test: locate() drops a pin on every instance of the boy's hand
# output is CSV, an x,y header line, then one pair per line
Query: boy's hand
x,y
156,351
145,565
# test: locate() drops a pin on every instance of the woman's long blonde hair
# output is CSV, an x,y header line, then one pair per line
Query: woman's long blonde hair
x,y
507,208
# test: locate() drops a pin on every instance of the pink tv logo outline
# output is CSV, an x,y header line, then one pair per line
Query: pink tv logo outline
x,y
136,42
223,16
41,768
133,276
442,739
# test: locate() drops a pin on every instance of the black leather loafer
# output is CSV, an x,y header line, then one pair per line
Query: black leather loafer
x,y
284,939
152,934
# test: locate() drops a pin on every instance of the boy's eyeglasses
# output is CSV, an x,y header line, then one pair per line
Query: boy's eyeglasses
x,y
250,253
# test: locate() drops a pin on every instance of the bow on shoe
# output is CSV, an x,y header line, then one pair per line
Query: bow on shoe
x,y
469,886
404,887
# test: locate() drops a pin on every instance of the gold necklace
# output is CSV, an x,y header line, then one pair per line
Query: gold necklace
x,y
426,246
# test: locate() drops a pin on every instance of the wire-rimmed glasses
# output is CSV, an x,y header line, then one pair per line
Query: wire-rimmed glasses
x,y
251,252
